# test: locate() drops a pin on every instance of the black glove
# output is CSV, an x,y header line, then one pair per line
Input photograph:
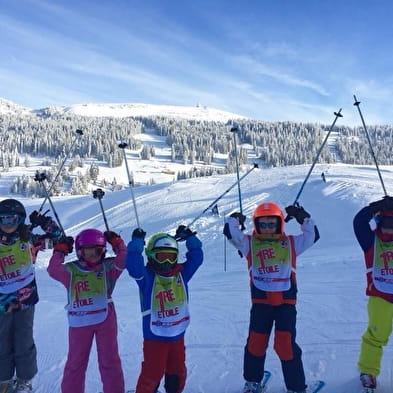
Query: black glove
x,y
112,238
384,204
240,217
39,220
65,245
138,232
183,232
109,235
296,212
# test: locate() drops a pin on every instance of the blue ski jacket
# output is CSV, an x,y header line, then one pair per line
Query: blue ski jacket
x,y
144,277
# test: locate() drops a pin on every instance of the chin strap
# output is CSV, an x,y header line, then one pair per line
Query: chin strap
x,y
9,238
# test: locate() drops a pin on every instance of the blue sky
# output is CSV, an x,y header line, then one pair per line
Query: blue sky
x,y
297,60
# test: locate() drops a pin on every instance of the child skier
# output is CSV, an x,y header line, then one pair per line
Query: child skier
x,y
18,293
164,302
271,257
377,246
90,281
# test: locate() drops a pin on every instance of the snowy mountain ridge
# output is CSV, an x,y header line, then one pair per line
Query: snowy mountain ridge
x,y
198,112
10,108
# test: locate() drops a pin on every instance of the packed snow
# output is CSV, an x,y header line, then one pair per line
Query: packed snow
x,y
331,277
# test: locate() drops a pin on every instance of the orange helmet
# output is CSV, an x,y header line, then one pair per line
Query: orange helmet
x,y
268,209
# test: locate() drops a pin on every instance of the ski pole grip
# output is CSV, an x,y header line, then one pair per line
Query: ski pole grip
x,y
98,193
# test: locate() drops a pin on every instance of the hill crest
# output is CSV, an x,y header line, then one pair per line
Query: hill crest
x,y
197,112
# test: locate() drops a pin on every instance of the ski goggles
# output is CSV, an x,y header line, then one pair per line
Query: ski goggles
x,y
92,252
10,219
386,222
166,256
266,225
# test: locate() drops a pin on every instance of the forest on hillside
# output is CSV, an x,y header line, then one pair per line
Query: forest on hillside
x,y
276,144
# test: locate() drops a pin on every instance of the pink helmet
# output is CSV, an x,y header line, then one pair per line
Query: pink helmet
x,y
89,237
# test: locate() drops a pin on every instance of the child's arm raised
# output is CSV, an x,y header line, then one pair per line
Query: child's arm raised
x,y
119,248
56,267
134,260
194,257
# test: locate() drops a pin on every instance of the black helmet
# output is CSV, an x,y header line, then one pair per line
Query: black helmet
x,y
12,206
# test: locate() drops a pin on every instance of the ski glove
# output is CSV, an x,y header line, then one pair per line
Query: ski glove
x,y
296,212
138,233
113,238
386,203
241,218
39,220
183,233
65,245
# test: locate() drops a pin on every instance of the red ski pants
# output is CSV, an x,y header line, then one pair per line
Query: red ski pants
x,y
163,358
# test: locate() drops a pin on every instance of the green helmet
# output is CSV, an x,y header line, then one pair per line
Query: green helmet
x,y
162,251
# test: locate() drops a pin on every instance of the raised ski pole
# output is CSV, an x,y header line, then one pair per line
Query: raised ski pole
x,y
337,114
40,177
98,194
357,104
122,146
224,193
225,251
235,130
78,132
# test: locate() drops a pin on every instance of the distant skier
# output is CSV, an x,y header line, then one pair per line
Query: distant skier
x,y
323,177
215,210
164,301
90,281
377,246
18,292
271,258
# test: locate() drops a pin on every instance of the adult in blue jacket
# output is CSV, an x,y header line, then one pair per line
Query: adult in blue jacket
x,y
164,302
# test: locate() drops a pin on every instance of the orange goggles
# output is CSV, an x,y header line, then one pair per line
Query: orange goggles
x,y
166,256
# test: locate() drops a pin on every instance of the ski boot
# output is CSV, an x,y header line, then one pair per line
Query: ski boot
x,y
253,387
23,386
369,382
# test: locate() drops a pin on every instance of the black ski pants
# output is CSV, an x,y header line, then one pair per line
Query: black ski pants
x,y
262,319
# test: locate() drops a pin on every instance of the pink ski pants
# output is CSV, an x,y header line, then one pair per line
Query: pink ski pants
x,y
80,340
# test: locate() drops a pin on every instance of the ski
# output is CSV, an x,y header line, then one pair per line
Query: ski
x,y
133,391
266,377
316,386
263,386
313,387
